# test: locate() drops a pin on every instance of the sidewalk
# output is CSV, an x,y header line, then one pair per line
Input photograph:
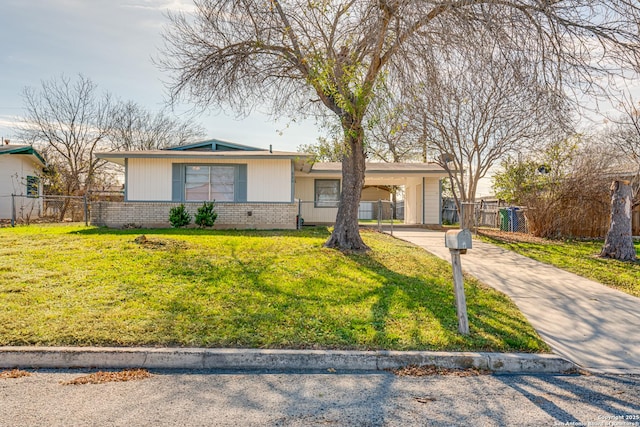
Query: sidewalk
x,y
590,324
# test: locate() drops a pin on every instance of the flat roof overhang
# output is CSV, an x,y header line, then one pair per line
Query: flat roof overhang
x,y
380,173
119,157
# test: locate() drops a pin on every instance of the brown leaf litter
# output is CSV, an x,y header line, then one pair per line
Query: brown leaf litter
x,y
107,377
431,370
14,373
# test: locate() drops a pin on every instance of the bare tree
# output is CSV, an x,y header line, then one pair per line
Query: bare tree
x,y
563,187
71,121
480,106
389,134
324,150
335,53
135,128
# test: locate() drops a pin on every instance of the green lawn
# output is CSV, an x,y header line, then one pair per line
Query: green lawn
x,y
579,257
71,285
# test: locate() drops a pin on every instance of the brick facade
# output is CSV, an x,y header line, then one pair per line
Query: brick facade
x,y
230,215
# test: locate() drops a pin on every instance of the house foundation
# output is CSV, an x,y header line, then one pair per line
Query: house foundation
x,y
262,216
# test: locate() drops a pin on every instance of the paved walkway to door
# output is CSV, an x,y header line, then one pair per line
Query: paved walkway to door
x,y
588,323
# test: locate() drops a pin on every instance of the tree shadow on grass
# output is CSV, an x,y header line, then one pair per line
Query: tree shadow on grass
x,y
353,302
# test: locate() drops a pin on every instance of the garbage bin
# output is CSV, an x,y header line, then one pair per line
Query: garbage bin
x,y
504,220
513,219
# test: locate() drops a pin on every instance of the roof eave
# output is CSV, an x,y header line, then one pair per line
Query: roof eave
x,y
28,150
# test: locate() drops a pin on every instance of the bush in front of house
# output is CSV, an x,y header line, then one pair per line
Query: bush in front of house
x,y
179,217
206,215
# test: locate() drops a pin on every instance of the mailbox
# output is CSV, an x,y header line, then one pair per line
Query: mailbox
x,y
458,239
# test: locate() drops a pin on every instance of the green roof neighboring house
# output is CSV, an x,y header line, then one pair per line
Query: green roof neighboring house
x,y
20,170
22,149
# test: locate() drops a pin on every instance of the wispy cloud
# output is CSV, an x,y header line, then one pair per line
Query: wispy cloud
x,y
162,5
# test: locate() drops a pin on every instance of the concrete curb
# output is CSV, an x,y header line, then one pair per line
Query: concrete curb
x,y
254,359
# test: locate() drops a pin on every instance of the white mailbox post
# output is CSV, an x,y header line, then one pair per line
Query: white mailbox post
x,y
458,241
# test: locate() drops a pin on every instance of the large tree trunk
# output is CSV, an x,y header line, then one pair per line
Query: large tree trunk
x,y
619,242
346,234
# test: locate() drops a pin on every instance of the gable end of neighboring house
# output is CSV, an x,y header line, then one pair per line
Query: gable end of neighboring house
x,y
21,169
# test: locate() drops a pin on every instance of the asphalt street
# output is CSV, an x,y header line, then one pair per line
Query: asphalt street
x,y
200,398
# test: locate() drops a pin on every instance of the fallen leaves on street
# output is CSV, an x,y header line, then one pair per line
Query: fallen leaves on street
x,y
427,370
14,373
107,377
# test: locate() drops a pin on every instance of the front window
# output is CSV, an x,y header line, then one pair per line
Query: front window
x,y
327,193
210,183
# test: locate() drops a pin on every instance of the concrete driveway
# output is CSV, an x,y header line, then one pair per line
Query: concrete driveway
x,y
588,323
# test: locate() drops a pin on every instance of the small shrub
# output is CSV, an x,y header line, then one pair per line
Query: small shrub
x,y
179,217
206,216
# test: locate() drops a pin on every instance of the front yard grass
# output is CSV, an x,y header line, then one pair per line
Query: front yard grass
x,y
72,285
579,257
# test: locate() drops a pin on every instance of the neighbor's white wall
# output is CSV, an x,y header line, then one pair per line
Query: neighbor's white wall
x,y
151,180
14,169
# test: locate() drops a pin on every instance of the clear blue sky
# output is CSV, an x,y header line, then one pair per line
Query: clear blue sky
x,y
111,42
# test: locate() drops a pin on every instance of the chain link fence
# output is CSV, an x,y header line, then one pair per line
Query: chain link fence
x,y
49,208
378,212
494,215
56,208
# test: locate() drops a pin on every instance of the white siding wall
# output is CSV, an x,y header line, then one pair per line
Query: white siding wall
x,y
269,180
432,201
150,179
14,169
411,208
413,201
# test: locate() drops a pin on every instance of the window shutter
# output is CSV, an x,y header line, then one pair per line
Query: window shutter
x,y
241,183
177,182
